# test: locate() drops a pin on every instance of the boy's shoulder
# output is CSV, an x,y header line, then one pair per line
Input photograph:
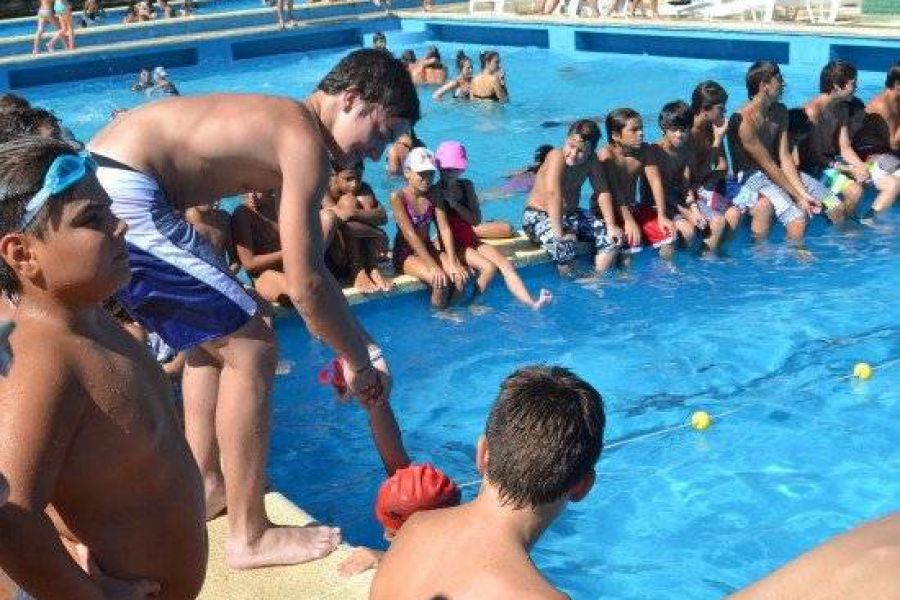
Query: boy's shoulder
x,y
45,363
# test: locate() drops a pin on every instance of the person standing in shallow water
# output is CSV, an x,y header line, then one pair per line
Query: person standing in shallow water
x,y
210,147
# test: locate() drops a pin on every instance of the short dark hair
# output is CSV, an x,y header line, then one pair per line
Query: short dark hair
x,y
18,122
893,76
486,57
588,130
706,95
837,73
380,78
433,52
8,101
617,119
461,59
676,115
379,36
799,125
407,57
760,72
23,166
544,435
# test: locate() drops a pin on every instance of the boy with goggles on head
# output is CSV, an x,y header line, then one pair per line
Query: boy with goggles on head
x,y
210,147
87,410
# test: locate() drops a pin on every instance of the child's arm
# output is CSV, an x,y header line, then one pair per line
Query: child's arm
x,y
42,414
242,234
351,209
602,201
859,171
387,437
457,273
447,87
468,209
653,169
500,90
555,174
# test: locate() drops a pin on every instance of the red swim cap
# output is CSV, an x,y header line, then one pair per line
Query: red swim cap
x,y
411,489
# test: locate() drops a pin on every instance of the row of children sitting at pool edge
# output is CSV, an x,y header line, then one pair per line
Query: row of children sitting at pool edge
x,y
679,191
674,192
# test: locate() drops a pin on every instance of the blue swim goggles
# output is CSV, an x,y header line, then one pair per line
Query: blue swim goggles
x,y
65,171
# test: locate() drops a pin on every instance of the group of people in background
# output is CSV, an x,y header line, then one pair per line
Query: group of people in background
x,y
59,15
140,208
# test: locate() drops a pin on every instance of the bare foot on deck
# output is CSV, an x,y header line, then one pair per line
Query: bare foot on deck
x,y
380,282
544,299
361,559
364,283
283,546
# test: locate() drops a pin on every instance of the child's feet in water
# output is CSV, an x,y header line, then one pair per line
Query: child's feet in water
x,y
379,280
283,546
364,284
544,298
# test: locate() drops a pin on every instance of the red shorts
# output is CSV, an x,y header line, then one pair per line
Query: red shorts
x,y
463,233
646,217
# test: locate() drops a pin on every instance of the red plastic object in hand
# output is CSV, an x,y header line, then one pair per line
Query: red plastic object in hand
x,y
333,375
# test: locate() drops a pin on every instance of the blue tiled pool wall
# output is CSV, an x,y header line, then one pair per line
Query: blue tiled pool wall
x,y
870,54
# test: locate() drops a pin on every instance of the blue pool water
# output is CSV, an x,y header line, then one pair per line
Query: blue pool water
x,y
805,454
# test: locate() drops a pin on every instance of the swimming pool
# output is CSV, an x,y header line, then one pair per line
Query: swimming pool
x,y
684,514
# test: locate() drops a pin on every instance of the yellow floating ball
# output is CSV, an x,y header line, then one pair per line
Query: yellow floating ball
x,y
701,420
863,370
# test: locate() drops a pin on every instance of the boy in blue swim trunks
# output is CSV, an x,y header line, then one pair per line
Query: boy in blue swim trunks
x,y
770,184
210,147
553,217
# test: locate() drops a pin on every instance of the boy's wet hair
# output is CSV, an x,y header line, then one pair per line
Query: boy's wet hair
x,y
408,57
380,79
893,76
461,59
799,125
544,435
706,95
540,155
487,56
676,115
19,122
617,120
837,73
759,73
12,101
433,52
587,130
23,165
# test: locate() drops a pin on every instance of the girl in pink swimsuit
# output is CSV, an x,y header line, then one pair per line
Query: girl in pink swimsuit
x,y
414,252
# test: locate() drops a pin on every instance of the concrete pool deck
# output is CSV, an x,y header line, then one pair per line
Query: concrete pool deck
x,y
318,579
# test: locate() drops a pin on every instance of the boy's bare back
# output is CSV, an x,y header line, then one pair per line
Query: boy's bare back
x,y
92,419
446,553
226,144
